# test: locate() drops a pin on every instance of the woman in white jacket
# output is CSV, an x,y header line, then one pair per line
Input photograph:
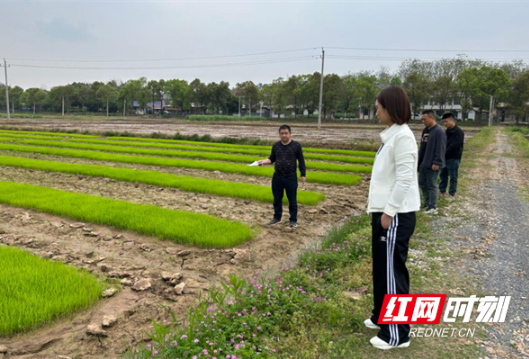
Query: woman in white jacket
x,y
393,200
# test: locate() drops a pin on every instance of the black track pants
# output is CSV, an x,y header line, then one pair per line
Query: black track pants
x,y
280,185
390,275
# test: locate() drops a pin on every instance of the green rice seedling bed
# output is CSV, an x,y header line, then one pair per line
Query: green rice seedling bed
x,y
258,152
49,134
212,144
179,226
184,183
332,167
318,177
35,291
227,145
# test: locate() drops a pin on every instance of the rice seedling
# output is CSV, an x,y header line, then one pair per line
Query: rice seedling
x,y
184,183
185,154
318,177
213,144
36,291
179,226
182,147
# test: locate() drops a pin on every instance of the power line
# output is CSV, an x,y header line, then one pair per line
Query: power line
x,y
420,50
169,59
345,57
261,62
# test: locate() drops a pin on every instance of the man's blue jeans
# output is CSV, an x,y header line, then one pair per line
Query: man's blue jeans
x,y
428,184
451,170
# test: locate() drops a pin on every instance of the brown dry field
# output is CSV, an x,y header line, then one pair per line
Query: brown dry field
x,y
128,257
335,133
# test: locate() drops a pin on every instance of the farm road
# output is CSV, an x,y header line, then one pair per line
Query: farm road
x,y
498,236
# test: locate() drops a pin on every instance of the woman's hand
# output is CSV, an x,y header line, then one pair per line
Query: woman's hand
x,y
385,221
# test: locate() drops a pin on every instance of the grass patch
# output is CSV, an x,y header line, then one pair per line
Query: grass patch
x,y
184,183
36,291
198,155
179,226
302,311
519,140
319,177
517,136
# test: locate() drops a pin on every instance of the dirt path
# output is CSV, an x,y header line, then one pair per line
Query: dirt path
x,y
496,243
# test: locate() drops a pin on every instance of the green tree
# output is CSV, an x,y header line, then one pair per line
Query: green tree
x,y
519,97
476,85
107,95
134,90
56,96
180,93
35,98
266,95
418,88
293,90
198,94
444,89
249,92
279,96
15,94
332,92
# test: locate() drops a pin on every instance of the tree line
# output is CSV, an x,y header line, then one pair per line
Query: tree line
x,y
469,82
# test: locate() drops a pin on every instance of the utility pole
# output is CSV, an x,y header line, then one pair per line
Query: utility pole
x,y
63,105
7,91
124,106
491,107
107,107
321,88
239,106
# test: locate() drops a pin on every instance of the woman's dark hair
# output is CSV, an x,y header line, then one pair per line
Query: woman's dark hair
x,y
395,100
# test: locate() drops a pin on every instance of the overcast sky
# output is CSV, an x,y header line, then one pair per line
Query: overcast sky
x,y
162,30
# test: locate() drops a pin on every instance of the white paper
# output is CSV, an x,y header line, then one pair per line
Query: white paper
x,y
253,164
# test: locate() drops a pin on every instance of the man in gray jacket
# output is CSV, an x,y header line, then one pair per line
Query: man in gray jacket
x,y
431,160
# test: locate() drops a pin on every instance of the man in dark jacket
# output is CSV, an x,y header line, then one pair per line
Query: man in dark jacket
x,y
285,154
455,138
431,159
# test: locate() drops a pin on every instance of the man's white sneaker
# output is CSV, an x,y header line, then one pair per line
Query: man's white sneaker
x,y
369,323
382,345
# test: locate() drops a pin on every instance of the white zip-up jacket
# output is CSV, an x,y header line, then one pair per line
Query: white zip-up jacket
x,y
394,187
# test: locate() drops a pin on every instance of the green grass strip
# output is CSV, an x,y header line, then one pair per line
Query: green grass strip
x,y
179,226
332,167
53,134
35,291
213,144
319,177
184,183
182,147
227,145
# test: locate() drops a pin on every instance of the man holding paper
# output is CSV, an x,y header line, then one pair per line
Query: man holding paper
x,y
285,154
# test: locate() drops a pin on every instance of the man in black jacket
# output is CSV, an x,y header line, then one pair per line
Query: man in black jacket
x,y
431,160
455,138
285,154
